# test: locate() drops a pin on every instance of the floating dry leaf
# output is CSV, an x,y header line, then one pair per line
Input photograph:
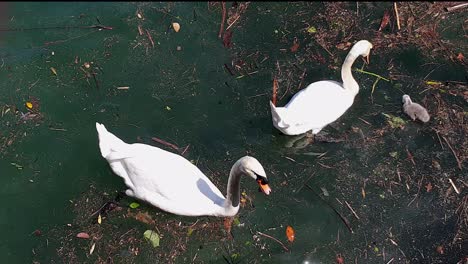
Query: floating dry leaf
x,y
176,26
145,218
29,105
385,20
290,234
295,46
428,187
54,71
82,235
152,236
99,219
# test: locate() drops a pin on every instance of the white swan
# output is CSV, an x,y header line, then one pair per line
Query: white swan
x,y
321,102
172,183
414,110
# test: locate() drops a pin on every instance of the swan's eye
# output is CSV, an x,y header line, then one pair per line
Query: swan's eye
x,y
262,179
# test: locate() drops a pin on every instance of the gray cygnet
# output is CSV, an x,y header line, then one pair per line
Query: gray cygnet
x,y
414,110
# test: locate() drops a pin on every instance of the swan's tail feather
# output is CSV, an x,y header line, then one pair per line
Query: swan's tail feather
x,y
278,115
109,144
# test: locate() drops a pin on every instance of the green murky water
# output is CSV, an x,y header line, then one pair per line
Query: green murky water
x,y
181,92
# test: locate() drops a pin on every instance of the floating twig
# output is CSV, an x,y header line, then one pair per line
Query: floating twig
x,y
371,73
454,154
140,30
350,208
95,80
410,156
233,22
453,8
364,121
221,27
59,27
228,69
454,187
344,219
302,79
165,143
281,243
57,129
185,149
150,38
396,15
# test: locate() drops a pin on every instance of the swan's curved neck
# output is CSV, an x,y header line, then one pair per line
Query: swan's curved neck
x,y
231,205
349,83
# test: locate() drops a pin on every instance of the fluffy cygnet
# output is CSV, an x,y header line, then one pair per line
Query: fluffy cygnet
x,y
414,110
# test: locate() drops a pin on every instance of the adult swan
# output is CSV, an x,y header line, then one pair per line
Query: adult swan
x,y
172,183
322,102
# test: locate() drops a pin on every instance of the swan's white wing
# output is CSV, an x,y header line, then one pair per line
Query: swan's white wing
x,y
319,104
170,181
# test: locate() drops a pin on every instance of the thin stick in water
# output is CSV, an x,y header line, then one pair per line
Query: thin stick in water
x,y
281,243
396,14
221,27
454,154
165,143
454,187
350,208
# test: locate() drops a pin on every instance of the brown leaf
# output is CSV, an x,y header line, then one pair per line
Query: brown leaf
x,y
82,235
385,20
428,187
295,46
290,234
144,218
37,232
228,224
440,249
343,46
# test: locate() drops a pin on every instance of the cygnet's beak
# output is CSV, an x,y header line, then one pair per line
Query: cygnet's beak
x,y
263,185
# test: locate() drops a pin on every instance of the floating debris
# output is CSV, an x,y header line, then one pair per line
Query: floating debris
x,y
152,236
290,234
176,26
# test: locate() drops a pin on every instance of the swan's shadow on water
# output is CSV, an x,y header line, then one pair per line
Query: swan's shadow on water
x,y
208,192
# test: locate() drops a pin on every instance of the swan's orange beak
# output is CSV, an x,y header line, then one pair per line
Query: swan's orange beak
x,y
265,188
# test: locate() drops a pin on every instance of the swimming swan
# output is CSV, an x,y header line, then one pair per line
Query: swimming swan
x,y
172,183
322,102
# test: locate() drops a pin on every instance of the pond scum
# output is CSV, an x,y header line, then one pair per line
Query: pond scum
x,y
427,184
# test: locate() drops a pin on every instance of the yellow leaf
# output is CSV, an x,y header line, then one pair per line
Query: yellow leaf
x,y
29,105
54,71
433,83
99,219
176,26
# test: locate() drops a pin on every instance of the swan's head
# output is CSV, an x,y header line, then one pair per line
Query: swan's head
x,y
406,99
362,48
252,168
